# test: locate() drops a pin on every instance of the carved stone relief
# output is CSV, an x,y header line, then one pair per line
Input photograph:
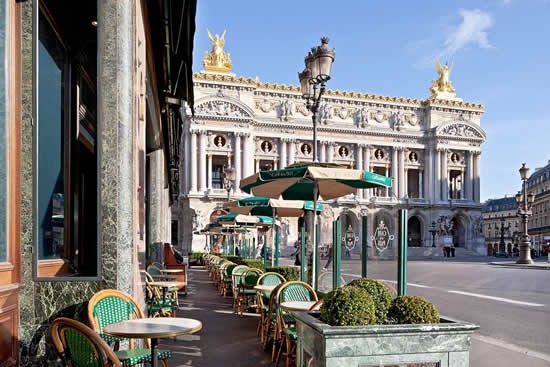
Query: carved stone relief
x,y
460,129
324,113
362,117
285,110
265,105
380,116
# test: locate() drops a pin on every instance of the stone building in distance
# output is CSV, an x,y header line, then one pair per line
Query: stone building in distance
x,y
431,148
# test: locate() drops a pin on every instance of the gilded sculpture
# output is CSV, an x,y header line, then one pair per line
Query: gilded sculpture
x,y
442,85
217,59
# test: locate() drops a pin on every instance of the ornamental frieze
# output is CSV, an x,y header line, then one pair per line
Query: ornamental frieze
x,y
265,105
220,108
461,130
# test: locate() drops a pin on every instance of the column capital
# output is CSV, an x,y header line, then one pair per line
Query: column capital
x,y
442,149
209,154
363,145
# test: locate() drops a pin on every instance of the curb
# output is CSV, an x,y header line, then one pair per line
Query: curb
x,y
522,266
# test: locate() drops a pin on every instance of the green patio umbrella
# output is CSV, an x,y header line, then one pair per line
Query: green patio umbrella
x,y
237,219
312,181
259,205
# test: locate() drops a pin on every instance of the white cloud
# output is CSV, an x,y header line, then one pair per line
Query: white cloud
x,y
472,30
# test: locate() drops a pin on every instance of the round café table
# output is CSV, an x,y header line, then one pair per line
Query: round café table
x,y
265,288
297,305
153,328
172,271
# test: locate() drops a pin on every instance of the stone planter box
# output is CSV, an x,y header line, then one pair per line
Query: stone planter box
x,y
426,345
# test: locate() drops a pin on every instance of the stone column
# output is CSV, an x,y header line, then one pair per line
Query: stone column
x,y
437,183
401,172
330,153
275,164
468,176
428,174
238,160
257,165
420,184
154,206
476,177
248,157
209,183
283,155
387,173
359,165
202,161
395,174
462,184
193,159
366,167
186,148
115,100
322,151
445,176
292,152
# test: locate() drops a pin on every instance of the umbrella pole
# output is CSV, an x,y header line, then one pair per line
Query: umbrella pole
x,y
314,262
273,237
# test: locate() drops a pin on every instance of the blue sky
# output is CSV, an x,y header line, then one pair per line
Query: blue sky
x,y
500,50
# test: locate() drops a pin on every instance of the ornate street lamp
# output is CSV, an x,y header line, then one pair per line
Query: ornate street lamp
x,y
503,229
313,81
524,201
228,179
434,232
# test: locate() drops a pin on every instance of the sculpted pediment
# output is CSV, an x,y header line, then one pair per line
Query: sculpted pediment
x,y
223,107
461,129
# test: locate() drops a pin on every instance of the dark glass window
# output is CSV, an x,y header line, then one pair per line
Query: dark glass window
x,y
66,137
52,59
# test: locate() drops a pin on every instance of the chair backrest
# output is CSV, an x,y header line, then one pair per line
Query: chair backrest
x,y
110,306
236,275
250,277
325,282
80,345
153,270
296,291
271,278
157,264
228,270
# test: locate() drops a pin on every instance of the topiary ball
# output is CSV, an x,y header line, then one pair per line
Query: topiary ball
x,y
412,310
379,293
348,306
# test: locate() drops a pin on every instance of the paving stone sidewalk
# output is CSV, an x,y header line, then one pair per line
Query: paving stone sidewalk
x,y
225,339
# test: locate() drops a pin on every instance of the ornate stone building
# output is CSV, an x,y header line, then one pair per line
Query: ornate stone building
x,y
501,222
539,224
431,148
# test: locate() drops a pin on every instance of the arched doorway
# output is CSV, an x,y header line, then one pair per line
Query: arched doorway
x,y
414,232
458,230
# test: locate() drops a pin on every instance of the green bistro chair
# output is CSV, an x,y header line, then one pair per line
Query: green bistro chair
x,y
246,291
236,276
269,278
159,303
80,345
227,279
111,306
287,336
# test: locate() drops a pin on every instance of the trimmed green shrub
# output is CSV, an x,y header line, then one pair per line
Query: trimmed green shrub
x,y
348,306
412,310
258,264
236,259
380,294
289,272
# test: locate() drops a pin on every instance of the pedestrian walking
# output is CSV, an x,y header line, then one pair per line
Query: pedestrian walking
x,y
329,260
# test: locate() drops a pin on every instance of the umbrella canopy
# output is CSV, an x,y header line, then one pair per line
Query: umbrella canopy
x,y
258,205
297,182
238,219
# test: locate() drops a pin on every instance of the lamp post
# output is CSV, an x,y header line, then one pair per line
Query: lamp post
x,y
433,232
228,179
503,229
313,81
524,201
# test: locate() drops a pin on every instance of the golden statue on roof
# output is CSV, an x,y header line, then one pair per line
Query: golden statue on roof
x,y
217,59
441,87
